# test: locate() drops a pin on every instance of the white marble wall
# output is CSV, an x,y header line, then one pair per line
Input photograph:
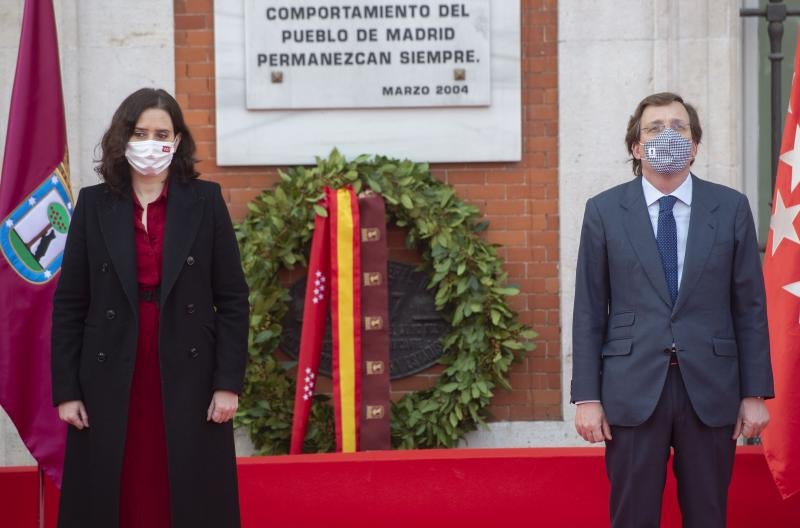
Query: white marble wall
x,y
611,55
108,49
472,134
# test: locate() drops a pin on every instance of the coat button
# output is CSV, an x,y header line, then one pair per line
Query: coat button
x,y
105,267
193,352
110,314
101,357
190,260
190,308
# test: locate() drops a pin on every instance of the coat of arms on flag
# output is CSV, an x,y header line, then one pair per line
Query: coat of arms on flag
x,y
32,237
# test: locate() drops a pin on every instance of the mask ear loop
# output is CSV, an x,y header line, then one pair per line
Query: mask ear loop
x,y
645,155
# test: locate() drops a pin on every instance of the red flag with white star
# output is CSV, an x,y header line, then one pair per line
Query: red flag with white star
x,y
782,280
315,312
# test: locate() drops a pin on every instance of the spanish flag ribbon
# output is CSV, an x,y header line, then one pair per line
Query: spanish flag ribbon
x,y
334,276
346,316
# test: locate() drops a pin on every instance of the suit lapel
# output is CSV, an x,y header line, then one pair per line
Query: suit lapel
x,y
702,230
116,224
184,212
640,233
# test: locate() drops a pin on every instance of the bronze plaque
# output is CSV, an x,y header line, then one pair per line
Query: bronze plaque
x,y
370,234
415,327
375,412
373,323
372,278
374,368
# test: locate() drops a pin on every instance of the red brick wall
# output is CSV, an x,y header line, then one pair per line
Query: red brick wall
x,y
519,199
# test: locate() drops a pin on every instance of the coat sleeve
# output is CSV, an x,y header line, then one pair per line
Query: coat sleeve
x,y
231,301
590,313
70,304
748,303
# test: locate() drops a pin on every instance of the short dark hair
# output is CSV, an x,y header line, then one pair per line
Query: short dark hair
x,y
659,99
113,167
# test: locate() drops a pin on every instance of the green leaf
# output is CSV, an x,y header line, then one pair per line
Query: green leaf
x,y
262,336
446,195
481,226
509,290
406,201
321,211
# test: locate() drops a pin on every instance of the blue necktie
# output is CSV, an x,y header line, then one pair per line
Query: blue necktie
x,y
667,240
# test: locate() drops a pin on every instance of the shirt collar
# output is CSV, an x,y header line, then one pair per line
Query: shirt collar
x,y
161,197
682,193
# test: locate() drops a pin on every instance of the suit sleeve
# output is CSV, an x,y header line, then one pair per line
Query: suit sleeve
x,y
231,301
70,304
590,314
748,303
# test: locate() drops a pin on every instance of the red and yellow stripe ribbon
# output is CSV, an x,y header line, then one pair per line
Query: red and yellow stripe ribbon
x,y
346,315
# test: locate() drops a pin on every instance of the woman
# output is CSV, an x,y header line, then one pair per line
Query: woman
x,y
150,321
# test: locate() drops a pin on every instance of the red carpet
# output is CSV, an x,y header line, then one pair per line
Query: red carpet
x,y
550,488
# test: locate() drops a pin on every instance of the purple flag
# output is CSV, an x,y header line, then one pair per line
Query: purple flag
x,y
35,210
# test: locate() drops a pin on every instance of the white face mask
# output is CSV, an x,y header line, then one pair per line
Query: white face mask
x,y
150,157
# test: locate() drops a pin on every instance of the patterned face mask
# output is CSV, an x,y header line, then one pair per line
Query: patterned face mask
x,y
668,152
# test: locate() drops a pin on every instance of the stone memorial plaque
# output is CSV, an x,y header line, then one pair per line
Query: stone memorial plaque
x,y
269,115
376,54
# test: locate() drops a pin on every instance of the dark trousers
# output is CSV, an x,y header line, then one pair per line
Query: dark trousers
x,y
636,463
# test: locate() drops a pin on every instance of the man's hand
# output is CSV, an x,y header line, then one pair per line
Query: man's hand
x,y
74,413
753,418
591,423
223,406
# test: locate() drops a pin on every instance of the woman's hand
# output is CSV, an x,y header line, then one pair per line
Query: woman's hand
x,y
223,406
74,413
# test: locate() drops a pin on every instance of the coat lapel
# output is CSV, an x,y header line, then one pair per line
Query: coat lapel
x,y
184,212
640,233
116,224
702,230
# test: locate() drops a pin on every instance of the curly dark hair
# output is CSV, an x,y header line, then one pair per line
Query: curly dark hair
x,y
113,167
633,132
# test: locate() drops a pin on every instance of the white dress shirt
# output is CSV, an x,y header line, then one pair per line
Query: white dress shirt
x,y
681,211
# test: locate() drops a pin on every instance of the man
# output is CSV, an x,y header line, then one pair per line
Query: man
x,y
670,343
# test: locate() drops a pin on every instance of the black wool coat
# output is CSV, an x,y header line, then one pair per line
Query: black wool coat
x,y
202,348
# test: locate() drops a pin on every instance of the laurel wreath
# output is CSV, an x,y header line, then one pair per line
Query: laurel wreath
x,y
465,273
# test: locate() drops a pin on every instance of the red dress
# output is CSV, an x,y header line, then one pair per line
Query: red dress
x,y
144,490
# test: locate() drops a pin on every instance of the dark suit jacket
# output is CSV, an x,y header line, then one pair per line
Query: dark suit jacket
x,y
624,321
202,347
